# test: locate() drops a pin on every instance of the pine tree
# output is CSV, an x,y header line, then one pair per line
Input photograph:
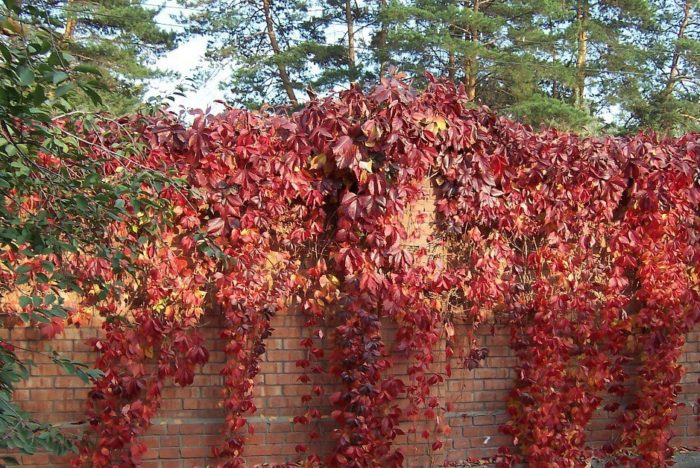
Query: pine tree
x,y
348,57
506,54
274,48
454,38
614,65
669,98
119,37
581,58
540,75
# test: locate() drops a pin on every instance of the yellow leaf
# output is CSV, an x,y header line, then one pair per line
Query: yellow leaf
x,y
318,161
436,124
449,329
440,123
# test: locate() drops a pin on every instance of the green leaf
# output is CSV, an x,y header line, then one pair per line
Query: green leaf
x,y
64,89
80,370
7,55
26,75
42,278
41,318
54,59
11,5
81,201
86,68
57,311
59,76
92,94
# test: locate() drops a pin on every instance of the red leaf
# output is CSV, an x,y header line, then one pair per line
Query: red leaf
x,y
215,227
350,204
346,153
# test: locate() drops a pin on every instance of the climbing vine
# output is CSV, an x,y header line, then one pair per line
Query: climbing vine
x,y
586,248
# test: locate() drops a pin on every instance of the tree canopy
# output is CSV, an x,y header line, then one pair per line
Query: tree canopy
x,y
617,66
54,196
120,37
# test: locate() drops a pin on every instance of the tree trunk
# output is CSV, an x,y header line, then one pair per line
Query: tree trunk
x,y
470,61
382,56
674,72
451,58
71,22
582,36
555,59
276,51
351,40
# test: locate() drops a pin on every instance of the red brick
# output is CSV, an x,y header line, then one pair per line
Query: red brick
x,y
151,454
169,452
195,452
171,463
193,418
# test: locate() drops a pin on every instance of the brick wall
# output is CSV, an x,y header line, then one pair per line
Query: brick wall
x,y
190,420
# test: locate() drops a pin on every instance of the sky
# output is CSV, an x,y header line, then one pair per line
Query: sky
x,y
185,60
188,58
